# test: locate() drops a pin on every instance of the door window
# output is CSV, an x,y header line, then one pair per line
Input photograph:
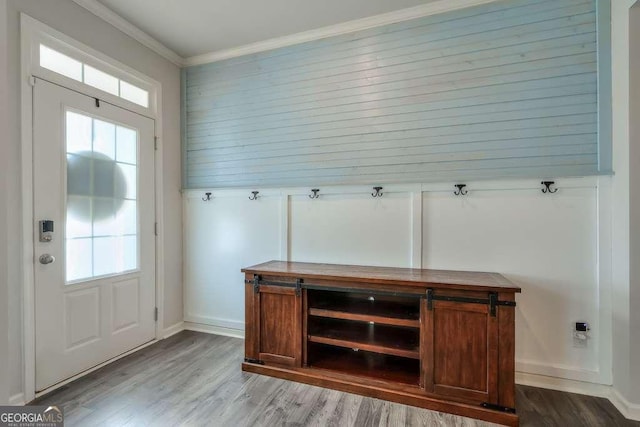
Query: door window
x,y
102,192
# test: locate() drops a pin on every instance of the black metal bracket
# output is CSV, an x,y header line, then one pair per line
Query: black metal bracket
x,y
302,285
498,408
207,197
256,283
298,287
97,103
255,195
492,301
547,187
377,192
256,361
315,194
460,190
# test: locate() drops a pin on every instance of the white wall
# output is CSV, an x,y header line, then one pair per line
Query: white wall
x,y
76,22
220,235
634,201
547,244
625,232
352,228
4,308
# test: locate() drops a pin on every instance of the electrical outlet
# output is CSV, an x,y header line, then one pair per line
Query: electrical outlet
x,y
580,334
580,340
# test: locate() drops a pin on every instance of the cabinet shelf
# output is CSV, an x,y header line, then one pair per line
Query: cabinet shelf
x,y
365,364
336,314
402,342
366,308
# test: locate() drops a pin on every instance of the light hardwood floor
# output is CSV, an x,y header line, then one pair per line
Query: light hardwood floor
x,y
194,379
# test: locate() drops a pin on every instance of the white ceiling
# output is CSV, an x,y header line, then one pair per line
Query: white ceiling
x,y
195,27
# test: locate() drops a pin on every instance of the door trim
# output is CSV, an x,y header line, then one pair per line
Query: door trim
x,y
29,29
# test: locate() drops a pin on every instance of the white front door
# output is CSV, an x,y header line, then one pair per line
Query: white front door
x,y
95,271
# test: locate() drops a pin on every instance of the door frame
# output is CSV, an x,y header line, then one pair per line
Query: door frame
x,y
32,32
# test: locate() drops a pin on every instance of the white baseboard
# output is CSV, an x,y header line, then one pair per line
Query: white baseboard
x,y
563,384
215,330
17,400
629,410
215,321
173,329
571,373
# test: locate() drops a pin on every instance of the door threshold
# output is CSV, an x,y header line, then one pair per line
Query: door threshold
x,y
92,369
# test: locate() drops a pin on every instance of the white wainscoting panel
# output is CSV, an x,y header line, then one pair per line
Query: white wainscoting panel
x,y
547,244
222,236
351,229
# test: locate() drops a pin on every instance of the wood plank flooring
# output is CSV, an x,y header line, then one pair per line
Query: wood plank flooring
x,y
194,379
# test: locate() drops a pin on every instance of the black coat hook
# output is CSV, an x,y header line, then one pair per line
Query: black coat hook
x,y
207,197
547,187
377,192
315,194
255,195
460,190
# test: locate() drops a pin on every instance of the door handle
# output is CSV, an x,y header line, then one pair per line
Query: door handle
x,y
47,259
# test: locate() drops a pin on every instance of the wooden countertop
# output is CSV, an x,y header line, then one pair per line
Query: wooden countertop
x,y
468,280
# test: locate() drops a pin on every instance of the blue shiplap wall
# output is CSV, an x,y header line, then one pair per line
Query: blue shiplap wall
x,y
507,89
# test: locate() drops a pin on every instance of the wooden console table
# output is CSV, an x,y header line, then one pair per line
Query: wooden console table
x,y
442,340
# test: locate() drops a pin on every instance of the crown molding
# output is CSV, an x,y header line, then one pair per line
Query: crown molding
x,y
420,11
131,30
433,8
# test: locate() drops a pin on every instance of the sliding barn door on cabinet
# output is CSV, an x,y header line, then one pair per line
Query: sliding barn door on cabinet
x,y
461,342
274,322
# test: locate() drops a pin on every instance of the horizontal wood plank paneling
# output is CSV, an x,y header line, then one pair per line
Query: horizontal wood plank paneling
x,y
505,89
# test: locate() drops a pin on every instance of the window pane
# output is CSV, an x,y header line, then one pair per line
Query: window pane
x,y
79,259
78,210
78,132
78,175
104,219
103,178
134,94
129,253
126,221
126,145
101,80
60,63
104,138
105,254
72,68
129,173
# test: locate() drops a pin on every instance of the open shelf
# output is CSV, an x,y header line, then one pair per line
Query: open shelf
x,y
365,364
387,310
396,341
